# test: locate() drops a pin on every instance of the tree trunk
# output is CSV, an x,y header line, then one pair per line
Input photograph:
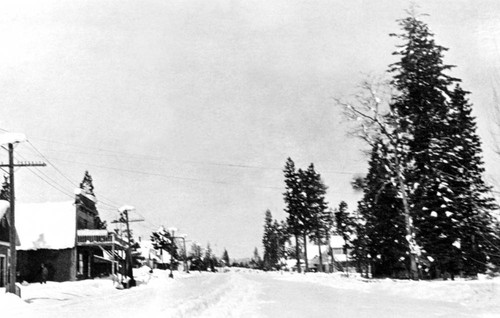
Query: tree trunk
x,y
297,252
305,254
408,223
320,267
330,252
346,259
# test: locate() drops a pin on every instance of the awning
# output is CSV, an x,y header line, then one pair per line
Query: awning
x,y
100,259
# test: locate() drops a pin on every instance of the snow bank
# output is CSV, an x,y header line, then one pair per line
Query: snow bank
x,y
471,293
11,302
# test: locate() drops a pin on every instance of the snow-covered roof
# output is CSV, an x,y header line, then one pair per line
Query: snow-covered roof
x,y
4,206
50,225
89,232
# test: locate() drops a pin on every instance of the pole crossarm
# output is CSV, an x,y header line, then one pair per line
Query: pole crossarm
x,y
130,221
124,219
24,164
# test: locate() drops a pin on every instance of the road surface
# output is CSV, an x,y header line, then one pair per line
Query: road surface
x,y
235,294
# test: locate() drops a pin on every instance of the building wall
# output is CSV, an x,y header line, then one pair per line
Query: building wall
x,y
4,229
4,251
60,263
87,216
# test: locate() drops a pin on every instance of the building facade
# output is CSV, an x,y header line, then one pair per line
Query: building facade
x,y
4,243
68,238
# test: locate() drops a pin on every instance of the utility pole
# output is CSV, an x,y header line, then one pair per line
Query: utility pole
x,y
172,244
124,218
11,139
183,238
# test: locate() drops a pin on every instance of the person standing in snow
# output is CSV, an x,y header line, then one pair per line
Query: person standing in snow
x,y
45,273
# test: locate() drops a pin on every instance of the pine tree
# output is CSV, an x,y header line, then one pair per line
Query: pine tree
x,y
86,184
208,259
384,229
294,206
163,240
5,190
196,257
359,246
343,221
270,241
470,209
283,237
344,225
256,261
225,258
450,205
316,207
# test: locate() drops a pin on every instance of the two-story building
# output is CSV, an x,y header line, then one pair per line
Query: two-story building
x,y
69,238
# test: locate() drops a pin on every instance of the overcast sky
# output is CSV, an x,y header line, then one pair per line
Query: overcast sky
x,y
187,110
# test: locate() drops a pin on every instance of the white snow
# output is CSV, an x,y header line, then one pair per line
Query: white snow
x,y
48,225
4,206
250,293
126,208
12,138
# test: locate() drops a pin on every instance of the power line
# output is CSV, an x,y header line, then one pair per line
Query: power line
x,y
221,164
110,203
54,183
57,186
50,163
164,175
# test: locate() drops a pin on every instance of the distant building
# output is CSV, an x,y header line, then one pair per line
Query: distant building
x,y
337,263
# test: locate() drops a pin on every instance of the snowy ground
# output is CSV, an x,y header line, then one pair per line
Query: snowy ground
x,y
246,293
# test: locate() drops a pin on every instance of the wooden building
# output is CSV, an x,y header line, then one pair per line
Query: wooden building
x,y
4,243
69,238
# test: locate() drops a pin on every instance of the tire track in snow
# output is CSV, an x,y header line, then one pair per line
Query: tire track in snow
x,y
226,295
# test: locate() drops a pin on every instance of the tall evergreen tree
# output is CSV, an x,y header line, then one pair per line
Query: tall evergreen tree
x,y
421,109
294,206
316,208
474,229
450,205
270,241
359,246
344,225
283,237
424,194
381,208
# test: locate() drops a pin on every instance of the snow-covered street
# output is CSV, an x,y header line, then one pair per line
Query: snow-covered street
x,y
246,293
